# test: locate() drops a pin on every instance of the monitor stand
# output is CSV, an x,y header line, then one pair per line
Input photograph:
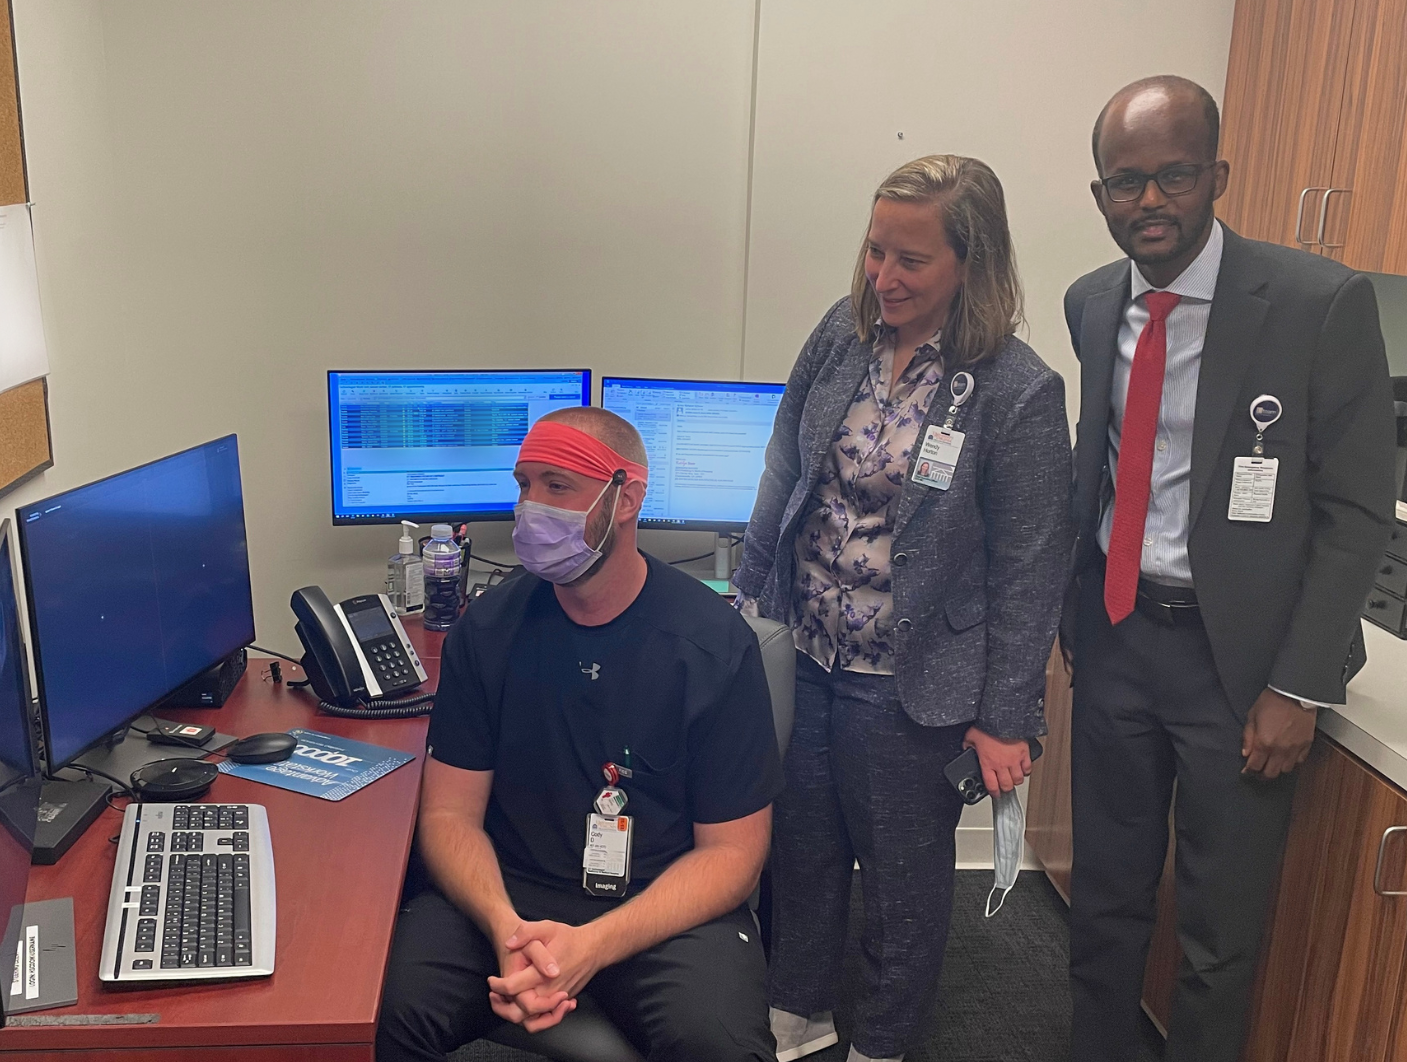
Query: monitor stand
x,y
723,557
68,807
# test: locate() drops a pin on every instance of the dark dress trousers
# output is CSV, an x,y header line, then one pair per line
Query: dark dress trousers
x,y
1279,603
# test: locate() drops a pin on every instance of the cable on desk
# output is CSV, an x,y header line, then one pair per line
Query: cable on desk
x,y
493,563
733,540
281,656
127,790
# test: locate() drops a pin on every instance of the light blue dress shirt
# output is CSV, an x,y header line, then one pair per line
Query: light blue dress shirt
x,y
1166,528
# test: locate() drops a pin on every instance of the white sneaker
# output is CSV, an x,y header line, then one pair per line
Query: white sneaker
x,y
798,1037
855,1056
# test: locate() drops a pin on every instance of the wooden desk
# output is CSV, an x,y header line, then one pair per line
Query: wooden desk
x,y
339,868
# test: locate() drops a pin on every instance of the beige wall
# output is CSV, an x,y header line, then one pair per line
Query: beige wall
x,y
1017,83
232,198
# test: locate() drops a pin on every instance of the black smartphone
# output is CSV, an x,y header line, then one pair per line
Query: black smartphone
x,y
965,773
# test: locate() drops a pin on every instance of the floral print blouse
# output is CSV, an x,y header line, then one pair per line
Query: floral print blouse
x,y
841,595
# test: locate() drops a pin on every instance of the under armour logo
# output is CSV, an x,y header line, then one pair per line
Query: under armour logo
x,y
594,671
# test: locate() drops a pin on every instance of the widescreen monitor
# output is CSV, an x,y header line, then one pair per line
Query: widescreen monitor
x,y
19,781
136,584
707,444
436,445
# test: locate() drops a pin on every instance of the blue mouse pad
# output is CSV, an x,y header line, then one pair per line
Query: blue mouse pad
x,y
323,765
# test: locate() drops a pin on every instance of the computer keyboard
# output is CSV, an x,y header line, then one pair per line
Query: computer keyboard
x,y
192,894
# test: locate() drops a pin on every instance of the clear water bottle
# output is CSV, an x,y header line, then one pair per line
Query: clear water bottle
x,y
441,557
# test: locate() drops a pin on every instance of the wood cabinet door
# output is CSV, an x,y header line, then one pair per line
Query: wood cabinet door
x,y
1352,937
1365,218
1284,94
1048,819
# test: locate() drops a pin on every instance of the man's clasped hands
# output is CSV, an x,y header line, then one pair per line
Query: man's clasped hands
x,y
544,966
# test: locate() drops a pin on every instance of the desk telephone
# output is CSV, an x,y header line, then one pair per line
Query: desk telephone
x,y
357,656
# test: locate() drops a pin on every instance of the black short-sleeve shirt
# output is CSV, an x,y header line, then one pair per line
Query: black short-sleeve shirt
x,y
544,703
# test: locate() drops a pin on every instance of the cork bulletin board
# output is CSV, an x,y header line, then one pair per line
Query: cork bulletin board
x,y
25,443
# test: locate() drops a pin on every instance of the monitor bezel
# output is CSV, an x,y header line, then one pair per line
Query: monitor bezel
x,y
422,516
722,527
8,551
50,765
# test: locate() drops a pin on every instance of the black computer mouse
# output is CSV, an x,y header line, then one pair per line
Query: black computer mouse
x,y
262,748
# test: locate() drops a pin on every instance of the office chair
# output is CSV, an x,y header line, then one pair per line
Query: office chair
x,y
1399,405
586,1034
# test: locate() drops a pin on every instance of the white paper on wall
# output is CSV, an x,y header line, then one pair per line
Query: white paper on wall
x,y
23,356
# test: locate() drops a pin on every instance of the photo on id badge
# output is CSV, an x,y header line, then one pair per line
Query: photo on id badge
x,y
938,457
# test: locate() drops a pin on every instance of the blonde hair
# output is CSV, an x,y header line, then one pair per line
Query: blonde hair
x,y
988,307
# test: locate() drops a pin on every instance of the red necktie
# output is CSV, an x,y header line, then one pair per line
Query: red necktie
x,y
1133,484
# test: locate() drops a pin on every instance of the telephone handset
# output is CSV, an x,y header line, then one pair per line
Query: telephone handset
x,y
358,657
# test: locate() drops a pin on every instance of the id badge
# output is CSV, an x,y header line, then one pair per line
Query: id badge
x,y
605,862
1253,489
938,457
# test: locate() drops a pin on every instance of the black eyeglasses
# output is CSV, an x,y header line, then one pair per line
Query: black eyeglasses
x,y
1173,180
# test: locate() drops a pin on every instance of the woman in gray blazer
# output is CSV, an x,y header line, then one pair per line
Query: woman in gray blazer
x,y
912,526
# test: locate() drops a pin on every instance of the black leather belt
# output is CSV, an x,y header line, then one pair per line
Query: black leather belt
x,y
1168,606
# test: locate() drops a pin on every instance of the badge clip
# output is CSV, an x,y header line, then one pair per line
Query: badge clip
x,y
1265,411
960,387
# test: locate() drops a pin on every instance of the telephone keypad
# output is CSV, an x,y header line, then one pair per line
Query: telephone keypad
x,y
389,661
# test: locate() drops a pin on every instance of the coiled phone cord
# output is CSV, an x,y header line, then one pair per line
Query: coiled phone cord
x,y
386,707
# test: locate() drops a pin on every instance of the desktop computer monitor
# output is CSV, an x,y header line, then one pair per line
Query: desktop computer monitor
x,y
707,444
19,781
436,445
136,584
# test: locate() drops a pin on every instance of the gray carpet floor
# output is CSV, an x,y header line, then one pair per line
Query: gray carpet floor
x,y
1004,995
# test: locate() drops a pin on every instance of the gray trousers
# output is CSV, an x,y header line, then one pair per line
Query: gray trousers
x,y
863,782
1149,710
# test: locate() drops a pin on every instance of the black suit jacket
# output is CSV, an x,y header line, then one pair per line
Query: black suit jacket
x,y
1280,600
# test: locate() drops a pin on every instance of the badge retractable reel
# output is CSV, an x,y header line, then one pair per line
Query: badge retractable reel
x,y
1253,478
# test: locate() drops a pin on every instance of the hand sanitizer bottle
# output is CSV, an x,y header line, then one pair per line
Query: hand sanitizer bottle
x,y
405,575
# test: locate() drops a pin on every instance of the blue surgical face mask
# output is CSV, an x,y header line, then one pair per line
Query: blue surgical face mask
x,y
551,542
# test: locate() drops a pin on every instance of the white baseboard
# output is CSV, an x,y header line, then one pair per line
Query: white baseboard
x,y
975,850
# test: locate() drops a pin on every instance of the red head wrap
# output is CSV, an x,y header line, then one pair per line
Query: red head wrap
x,y
550,442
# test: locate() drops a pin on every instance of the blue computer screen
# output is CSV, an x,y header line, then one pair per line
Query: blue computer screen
x,y
15,753
434,445
707,443
136,584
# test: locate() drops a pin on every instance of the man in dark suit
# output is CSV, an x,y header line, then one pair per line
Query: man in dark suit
x,y
1233,493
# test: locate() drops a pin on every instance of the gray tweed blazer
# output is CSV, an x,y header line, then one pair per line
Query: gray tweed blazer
x,y
978,570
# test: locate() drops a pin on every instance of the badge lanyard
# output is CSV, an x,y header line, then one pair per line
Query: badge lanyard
x,y
1253,478
938,455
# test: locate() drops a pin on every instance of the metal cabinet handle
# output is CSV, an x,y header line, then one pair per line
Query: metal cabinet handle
x,y
1324,215
1378,871
1299,217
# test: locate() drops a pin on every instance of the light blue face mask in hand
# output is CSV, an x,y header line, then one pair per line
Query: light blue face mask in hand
x,y
1008,844
551,542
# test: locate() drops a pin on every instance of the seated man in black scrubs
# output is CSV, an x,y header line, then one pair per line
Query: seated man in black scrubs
x,y
598,675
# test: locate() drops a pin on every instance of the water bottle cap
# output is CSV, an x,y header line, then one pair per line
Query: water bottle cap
x,y
441,531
